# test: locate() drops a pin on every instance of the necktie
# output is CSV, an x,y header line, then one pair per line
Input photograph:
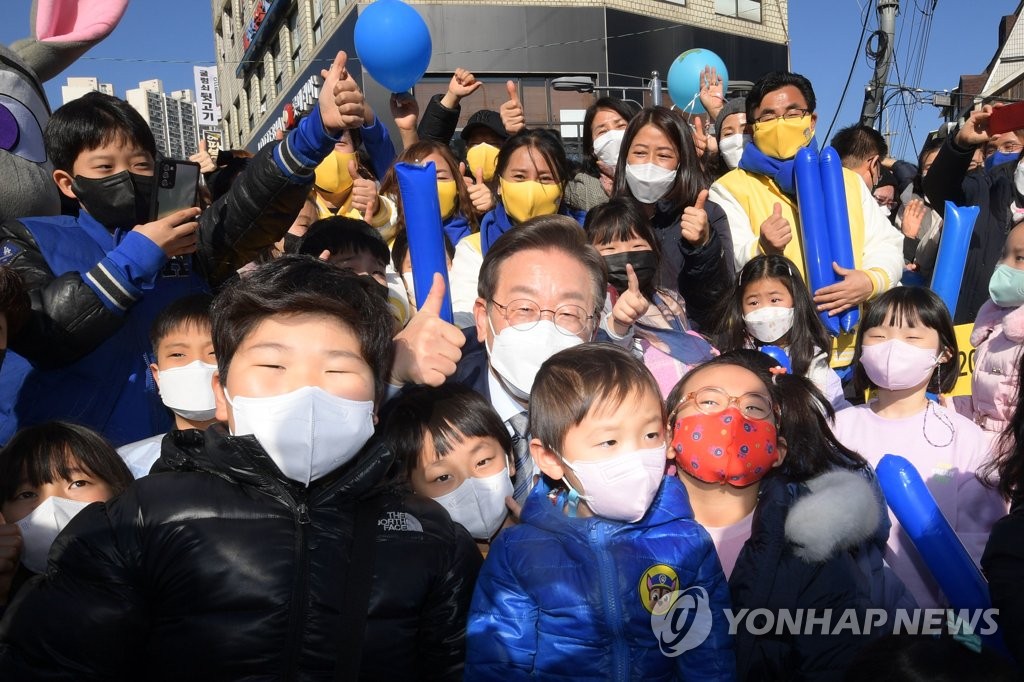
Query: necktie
x,y
521,451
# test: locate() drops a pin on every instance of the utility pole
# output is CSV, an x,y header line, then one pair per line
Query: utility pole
x,y
882,55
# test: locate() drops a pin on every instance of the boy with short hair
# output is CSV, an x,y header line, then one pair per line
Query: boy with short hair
x,y
97,280
183,369
587,584
355,245
274,546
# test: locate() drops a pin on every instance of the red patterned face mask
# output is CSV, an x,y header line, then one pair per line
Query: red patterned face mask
x,y
725,447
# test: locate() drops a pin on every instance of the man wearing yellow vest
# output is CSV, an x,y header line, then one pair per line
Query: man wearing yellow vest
x,y
759,197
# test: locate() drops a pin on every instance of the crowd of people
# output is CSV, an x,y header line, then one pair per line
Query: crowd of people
x,y
237,448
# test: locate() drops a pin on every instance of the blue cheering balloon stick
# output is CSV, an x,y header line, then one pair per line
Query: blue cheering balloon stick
x,y
837,218
779,355
938,545
421,209
814,233
957,227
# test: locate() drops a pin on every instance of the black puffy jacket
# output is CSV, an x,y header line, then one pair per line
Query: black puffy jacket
x,y
992,191
218,568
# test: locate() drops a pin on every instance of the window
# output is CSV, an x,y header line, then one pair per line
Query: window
x,y
749,10
295,39
276,65
318,20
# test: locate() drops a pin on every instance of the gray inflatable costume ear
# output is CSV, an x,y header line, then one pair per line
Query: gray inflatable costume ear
x,y
62,30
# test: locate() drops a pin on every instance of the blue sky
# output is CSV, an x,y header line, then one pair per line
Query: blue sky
x,y
164,39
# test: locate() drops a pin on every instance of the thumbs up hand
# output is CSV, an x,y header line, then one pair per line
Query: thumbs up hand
x,y
776,232
427,350
203,158
364,193
341,100
512,115
479,193
694,225
630,306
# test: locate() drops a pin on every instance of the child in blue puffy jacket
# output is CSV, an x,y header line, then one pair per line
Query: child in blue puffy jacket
x,y
607,577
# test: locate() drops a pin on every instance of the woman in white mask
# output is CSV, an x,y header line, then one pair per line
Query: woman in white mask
x,y
452,446
604,125
49,473
659,169
733,134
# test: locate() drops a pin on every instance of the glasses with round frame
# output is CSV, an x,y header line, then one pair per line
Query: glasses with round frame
x,y
524,314
1009,147
788,115
713,400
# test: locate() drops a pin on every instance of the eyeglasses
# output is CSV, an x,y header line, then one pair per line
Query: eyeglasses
x,y
1009,148
789,115
570,319
712,400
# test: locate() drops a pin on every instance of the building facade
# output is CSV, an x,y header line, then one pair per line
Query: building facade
x,y
171,117
78,86
270,52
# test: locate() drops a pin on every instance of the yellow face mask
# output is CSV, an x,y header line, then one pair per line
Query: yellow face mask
x,y
483,156
447,192
529,199
332,176
782,138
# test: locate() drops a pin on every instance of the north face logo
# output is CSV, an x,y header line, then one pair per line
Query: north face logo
x,y
400,521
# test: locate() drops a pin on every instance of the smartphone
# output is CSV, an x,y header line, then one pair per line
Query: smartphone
x,y
1006,118
177,187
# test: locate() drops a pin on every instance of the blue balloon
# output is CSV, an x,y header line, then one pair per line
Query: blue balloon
x,y
779,355
393,44
938,545
814,232
684,78
837,217
421,210
957,227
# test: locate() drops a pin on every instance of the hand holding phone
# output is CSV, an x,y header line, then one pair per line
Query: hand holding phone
x,y
177,186
176,234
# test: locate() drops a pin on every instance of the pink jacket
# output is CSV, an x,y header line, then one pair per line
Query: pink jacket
x,y
997,336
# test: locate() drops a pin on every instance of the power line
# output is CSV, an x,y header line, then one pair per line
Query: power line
x,y
853,65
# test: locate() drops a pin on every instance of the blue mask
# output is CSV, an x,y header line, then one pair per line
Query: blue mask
x,y
1006,287
999,158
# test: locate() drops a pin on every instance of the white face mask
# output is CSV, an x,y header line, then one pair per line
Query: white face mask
x,y
649,182
40,528
886,211
607,146
188,390
478,504
621,488
308,433
1018,178
770,323
731,148
517,354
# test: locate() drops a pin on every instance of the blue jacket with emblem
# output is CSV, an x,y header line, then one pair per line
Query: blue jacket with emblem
x,y
83,353
562,598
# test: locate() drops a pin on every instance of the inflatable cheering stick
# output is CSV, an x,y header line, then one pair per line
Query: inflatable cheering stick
x,y
837,218
957,227
814,229
422,212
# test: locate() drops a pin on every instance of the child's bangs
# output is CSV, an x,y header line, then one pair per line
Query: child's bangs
x,y
37,467
446,437
902,312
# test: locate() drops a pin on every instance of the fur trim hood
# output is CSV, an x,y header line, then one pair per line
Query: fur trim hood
x,y
991,315
839,511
